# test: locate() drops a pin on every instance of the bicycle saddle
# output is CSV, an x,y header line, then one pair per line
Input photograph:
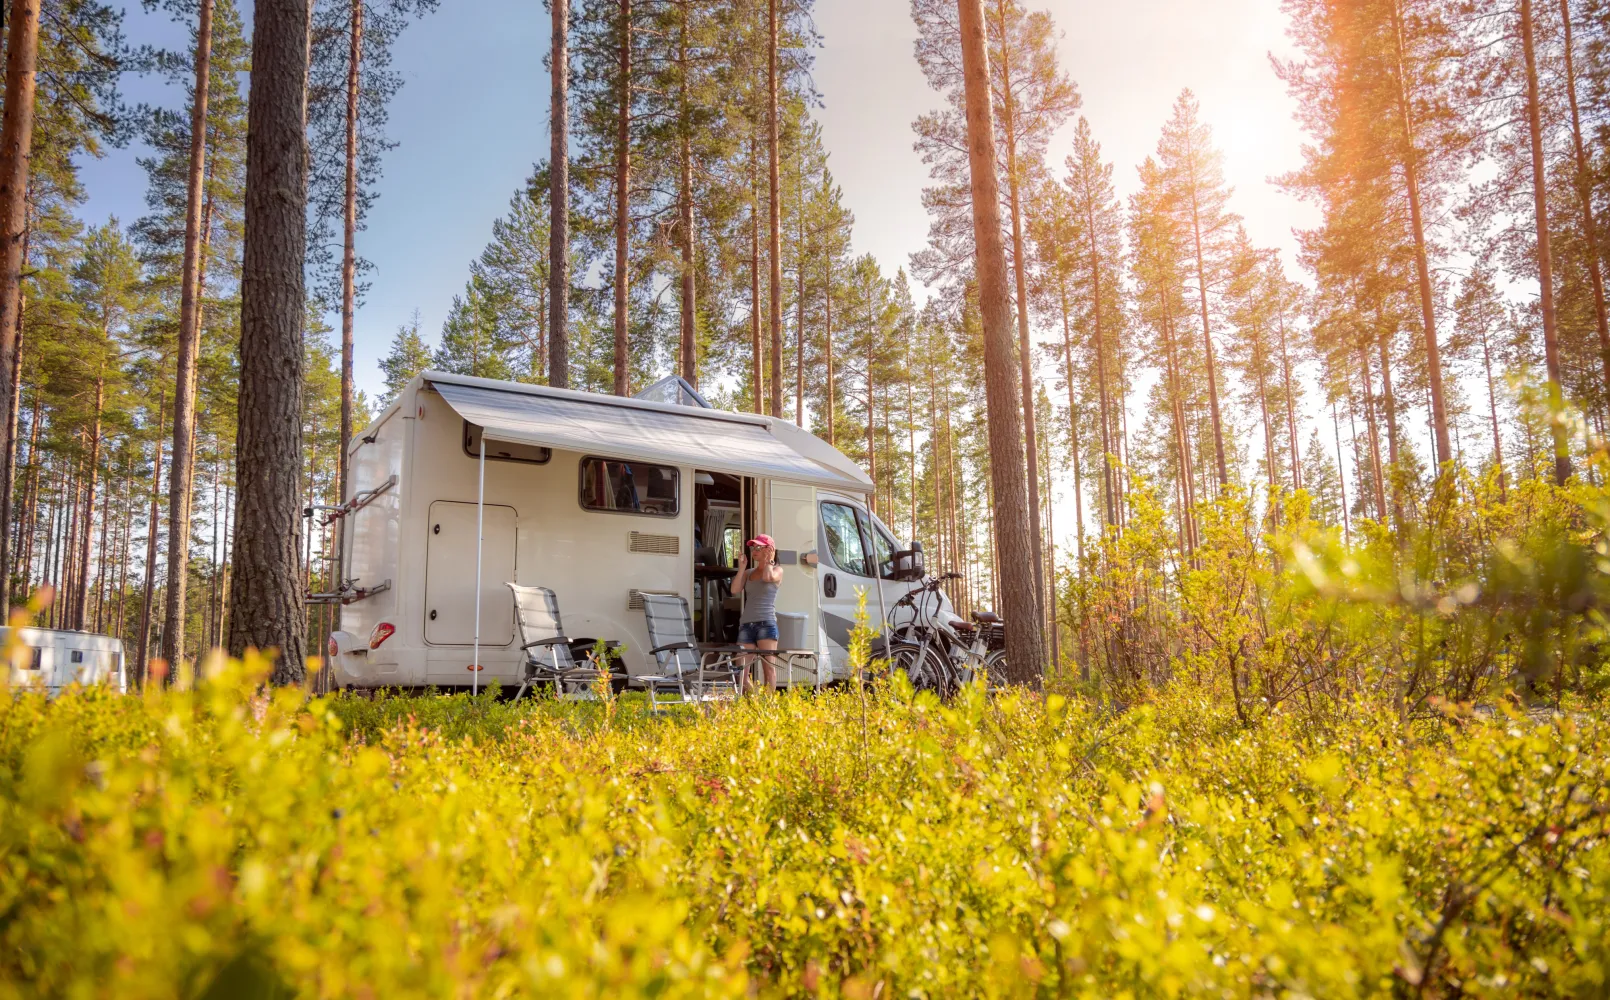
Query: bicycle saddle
x,y
986,617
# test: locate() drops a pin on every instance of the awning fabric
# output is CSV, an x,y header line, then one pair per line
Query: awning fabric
x,y
610,427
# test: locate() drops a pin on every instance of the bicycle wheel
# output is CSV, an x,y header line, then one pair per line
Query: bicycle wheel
x,y
925,668
995,669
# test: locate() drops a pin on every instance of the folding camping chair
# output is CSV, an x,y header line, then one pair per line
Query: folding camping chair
x,y
547,648
689,673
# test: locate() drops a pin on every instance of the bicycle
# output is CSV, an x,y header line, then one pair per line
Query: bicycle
x,y
939,655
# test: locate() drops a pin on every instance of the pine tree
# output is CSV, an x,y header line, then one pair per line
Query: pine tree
x,y
408,356
266,606
1015,525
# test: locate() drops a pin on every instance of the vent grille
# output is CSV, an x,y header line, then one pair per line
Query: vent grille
x,y
665,545
634,597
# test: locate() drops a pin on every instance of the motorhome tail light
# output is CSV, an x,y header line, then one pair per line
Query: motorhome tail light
x,y
332,648
381,633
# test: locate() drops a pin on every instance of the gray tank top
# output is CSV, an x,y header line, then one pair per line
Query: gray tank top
x,y
760,602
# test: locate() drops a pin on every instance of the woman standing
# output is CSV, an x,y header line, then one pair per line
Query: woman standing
x,y
757,628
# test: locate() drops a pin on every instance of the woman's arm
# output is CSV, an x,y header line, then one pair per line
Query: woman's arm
x,y
736,586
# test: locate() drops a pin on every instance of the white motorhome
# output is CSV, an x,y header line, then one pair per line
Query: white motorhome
x,y
52,658
601,499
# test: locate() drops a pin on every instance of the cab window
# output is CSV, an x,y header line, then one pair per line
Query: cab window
x,y
882,545
844,541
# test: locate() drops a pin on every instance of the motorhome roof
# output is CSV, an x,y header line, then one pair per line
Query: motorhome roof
x,y
617,426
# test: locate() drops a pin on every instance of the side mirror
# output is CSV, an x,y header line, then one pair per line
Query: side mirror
x,y
908,564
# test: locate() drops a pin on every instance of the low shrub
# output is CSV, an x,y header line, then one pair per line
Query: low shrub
x,y
227,841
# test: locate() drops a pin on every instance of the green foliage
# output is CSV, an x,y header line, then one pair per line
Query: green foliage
x,y
841,844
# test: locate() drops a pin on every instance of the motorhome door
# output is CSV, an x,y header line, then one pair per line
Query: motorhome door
x,y
791,522
450,575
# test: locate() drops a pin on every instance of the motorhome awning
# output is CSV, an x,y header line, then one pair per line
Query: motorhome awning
x,y
647,432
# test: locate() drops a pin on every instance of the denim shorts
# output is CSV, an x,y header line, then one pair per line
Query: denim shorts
x,y
750,633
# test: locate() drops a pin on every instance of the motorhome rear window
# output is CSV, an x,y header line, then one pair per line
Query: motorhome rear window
x,y
502,451
619,487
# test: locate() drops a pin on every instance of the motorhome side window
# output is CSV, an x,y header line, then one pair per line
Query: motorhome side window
x,y
618,487
502,451
844,542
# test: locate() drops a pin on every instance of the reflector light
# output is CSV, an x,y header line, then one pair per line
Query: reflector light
x,y
381,633
332,648
475,667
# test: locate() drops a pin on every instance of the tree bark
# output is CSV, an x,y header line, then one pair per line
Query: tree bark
x,y
832,398
776,208
1545,259
81,611
1422,265
184,398
1222,468
1584,191
16,144
349,241
1492,412
690,345
1291,405
799,305
8,473
1013,529
1025,352
871,400
755,354
266,607
558,205
623,203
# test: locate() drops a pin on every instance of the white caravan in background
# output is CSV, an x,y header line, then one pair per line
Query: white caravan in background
x,y
54,658
601,499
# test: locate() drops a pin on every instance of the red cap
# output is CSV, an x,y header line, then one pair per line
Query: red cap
x,y
764,541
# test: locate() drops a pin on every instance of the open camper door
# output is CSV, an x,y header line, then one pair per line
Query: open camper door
x,y
791,522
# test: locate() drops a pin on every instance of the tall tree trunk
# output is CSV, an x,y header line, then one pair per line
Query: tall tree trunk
x,y
184,399
1182,443
81,611
349,240
1545,259
799,302
1291,406
1078,488
775,250
558,206
1013,522
1389,403
266,607
1410,156
1492,412
756,355
16,144
623,202
1025,352
1375,437
690,347
1584,190
1221,466
872,408
8,463
1347,517
832,397
30,514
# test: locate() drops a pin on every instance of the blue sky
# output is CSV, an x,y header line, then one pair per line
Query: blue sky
x,y
471,119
